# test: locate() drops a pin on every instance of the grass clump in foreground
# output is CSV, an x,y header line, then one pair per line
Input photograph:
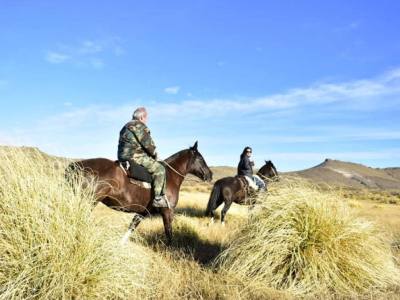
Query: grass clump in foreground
x,y
309,243
50,247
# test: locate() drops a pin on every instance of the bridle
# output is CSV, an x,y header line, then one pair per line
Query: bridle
x,y
265,178
190,161
173,169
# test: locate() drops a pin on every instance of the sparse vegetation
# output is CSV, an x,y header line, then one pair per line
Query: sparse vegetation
x,y
381,196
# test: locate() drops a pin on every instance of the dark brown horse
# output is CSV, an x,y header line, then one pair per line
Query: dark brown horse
x,y
115,190
235,189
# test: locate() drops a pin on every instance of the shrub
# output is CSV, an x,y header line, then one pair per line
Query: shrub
x,y
308,242
49,245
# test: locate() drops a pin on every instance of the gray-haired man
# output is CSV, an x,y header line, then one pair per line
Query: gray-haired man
x,y
136,144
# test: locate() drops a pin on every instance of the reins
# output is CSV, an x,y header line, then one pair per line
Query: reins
x,y
169,166
265,178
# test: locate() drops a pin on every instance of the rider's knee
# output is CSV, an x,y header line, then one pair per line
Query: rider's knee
x,y
160,170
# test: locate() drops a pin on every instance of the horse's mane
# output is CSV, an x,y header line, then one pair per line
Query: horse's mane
x,y
267,164
174,156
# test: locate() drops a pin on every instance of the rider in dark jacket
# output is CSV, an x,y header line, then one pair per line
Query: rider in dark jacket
x,y
245,166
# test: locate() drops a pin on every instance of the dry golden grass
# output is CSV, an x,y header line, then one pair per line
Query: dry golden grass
x,y
381,196
186,266
50,247
54,247
310,243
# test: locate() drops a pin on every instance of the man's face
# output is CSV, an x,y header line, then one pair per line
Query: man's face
x,y
144,119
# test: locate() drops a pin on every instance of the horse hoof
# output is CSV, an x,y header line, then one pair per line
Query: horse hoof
x,y
212,221
125,238
223,223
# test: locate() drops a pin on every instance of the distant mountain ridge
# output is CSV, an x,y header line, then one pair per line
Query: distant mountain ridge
x,y
336,172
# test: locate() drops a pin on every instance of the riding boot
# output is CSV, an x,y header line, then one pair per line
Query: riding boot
x,y
161,201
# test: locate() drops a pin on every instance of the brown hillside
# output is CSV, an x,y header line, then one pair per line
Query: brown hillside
x,y
336,172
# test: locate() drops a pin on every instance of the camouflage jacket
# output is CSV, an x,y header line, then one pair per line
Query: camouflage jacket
x,y
134,138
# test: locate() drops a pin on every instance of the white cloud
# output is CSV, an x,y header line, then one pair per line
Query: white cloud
x,y
88,53
90,47
56,57
355,96
336,135
97,63
346,156
173,90
270,120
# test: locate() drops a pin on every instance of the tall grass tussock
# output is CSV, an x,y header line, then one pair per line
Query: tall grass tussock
x,y
310,243
50,248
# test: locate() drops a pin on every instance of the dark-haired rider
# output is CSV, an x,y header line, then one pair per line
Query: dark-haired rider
x,y
245,168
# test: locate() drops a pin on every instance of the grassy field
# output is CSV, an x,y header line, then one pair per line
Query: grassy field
x,y
197,243
55,247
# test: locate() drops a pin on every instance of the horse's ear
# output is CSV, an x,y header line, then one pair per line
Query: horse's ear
x,y
266,161
195,146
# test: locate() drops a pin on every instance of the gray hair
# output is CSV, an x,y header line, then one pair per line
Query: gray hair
x,y
139,113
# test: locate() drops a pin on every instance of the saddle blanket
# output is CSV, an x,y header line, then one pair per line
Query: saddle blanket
x,y
137,181
251,183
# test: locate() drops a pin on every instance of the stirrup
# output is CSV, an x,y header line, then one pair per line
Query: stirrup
x,y
161,202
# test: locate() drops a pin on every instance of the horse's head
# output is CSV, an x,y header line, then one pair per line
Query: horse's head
x,y
268,171
197,165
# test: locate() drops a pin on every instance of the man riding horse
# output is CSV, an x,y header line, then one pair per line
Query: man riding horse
x,y
136,146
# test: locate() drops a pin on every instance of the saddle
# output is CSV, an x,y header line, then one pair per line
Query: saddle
x,y
137,174
249,192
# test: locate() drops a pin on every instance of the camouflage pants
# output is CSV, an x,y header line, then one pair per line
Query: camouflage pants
x,y
156,170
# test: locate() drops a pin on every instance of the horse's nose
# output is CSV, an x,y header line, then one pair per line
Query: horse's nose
x,y
207,176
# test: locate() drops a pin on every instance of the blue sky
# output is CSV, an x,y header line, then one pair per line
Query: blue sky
x,y
299,81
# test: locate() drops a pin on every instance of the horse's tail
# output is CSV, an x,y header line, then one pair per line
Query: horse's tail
x,y
69,171
72,173
212,202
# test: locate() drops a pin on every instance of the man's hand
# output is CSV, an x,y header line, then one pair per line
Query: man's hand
x,y
155,156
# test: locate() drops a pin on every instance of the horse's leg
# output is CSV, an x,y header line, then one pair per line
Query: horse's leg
x,y
167,215
212,215
219,202
227,205
135,222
